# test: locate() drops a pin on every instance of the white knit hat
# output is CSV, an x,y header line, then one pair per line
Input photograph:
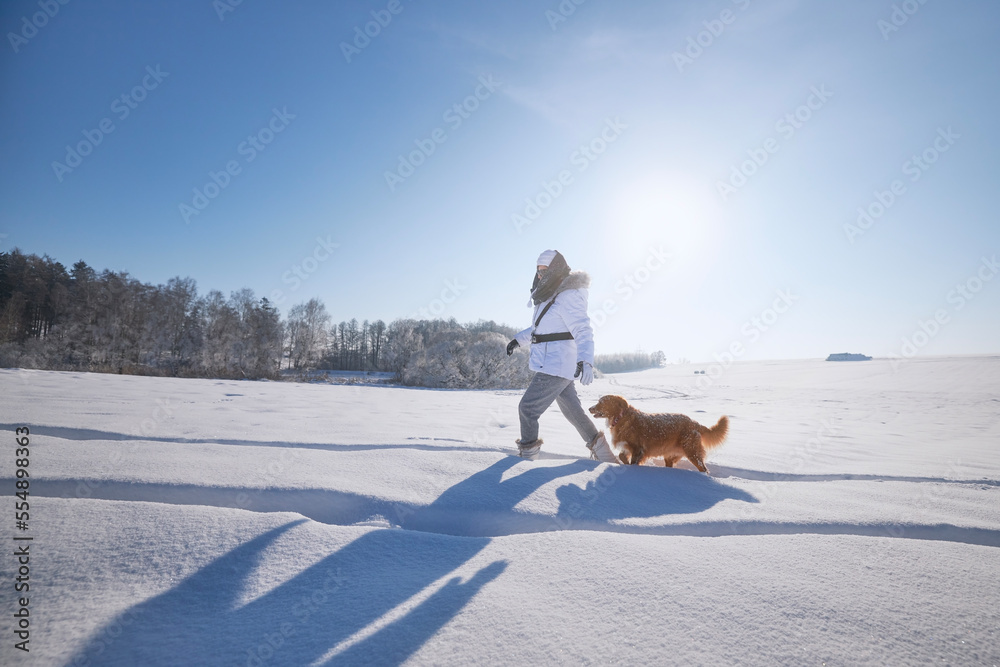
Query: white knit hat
x,y
546,258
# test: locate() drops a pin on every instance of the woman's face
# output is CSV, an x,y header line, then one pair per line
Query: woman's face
x,y
542,269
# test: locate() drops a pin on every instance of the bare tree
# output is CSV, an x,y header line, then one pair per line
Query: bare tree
x,y
307,333
377,333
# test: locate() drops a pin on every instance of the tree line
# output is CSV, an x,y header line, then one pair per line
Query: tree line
x,y
623,362
78,319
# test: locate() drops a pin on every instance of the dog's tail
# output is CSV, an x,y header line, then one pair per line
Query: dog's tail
x,y
713,437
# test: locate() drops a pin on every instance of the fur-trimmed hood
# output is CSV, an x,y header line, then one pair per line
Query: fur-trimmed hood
x,y
575,280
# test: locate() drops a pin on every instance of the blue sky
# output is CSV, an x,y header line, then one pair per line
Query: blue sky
x,y
615,123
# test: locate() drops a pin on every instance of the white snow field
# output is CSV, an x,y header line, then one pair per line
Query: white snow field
x,y
852,518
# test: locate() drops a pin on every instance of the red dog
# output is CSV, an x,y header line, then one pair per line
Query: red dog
x,y
671,436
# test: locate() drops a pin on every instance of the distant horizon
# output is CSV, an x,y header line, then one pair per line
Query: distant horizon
x,y
780,178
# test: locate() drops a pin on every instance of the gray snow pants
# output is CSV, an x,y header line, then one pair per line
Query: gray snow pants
x,y
539,395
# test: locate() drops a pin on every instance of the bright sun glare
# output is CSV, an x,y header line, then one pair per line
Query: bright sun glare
x,y
666,209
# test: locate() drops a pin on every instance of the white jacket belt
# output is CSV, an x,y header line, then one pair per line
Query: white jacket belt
x,y
569,313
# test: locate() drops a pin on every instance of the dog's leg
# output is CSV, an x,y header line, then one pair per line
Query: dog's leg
x,y
694,452
669,461
638,456
629,453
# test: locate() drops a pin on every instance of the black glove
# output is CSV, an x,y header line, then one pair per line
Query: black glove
x,y
579,369
511,346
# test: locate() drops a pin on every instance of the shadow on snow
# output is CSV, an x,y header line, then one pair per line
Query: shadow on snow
x,y
305,618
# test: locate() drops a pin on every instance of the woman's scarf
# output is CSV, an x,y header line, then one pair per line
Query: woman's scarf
x,y
548,282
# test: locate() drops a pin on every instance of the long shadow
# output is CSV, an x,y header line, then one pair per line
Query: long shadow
x,y
84,434
395,643
625,492
483,505
300,621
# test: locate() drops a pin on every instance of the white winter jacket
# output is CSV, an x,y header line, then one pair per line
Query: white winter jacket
x,y
569,313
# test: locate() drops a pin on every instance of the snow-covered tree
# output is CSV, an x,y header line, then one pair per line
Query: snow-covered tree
x,y
307,333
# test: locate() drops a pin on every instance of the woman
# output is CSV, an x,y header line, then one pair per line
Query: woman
x,y
562,349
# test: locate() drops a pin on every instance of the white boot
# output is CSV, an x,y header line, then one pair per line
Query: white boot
x,y
600,450
531,451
